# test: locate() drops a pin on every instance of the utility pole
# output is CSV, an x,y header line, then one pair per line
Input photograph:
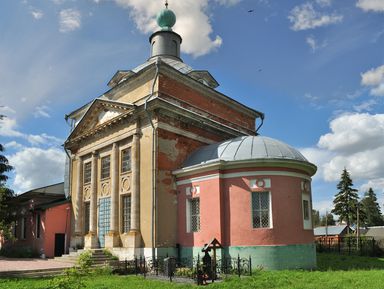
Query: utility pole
x,y
358,228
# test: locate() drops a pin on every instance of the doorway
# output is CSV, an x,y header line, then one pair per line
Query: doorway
x,y
59,244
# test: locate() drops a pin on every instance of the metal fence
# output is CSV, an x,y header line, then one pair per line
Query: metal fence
x,y
351,245
185,269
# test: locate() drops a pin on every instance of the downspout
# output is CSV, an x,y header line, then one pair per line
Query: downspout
x,y
261,124
153,159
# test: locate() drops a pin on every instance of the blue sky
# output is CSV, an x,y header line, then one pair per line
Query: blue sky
x,y
315,68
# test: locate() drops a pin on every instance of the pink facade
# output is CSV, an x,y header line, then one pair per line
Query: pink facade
x,y
54,231
226,209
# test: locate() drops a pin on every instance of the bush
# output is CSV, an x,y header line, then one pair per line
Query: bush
x,y
19,252
85,261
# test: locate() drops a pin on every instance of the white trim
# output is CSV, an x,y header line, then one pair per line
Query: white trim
x,y
242,174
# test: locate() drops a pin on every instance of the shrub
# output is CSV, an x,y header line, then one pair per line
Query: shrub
x,y
85,261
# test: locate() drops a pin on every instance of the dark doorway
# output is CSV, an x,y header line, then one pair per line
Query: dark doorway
x,y
59,244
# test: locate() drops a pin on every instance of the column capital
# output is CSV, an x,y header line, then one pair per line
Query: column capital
x,y
95,154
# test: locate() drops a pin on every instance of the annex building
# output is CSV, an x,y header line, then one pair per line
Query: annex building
x,y
162,163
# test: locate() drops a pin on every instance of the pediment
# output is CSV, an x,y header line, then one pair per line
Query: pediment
x,y
99,115
204,77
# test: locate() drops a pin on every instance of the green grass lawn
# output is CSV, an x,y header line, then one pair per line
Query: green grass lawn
x,y
334,271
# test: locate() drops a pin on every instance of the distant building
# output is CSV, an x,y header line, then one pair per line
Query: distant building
x,y
331,232
140,187
377,233
43,221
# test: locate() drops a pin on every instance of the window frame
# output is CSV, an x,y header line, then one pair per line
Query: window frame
x,y
191,215
87,167
23,231
254,210
104,168
122,161
38,226
126,213
87,216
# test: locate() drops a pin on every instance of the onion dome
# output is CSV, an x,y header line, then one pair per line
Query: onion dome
x,y
166,18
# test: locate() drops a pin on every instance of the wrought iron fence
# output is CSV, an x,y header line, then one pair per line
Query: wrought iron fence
x,y
351,245
185,268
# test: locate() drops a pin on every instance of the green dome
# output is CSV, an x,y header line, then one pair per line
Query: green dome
x,y
166,19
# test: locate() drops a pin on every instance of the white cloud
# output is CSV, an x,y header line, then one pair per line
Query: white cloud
x,y
35,167
371,5
41,111
352,133
13,145
69,20
314,44
324,3
193,23
365,106
356,142
5,110
37,14
228,2
374,78
9,128
305,17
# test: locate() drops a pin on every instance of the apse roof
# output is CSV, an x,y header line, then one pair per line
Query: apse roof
x,y
244,148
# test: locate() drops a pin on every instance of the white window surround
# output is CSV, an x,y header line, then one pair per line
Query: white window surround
x,y
307,223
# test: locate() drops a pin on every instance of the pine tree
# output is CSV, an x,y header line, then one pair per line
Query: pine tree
x,y
6,194
346,200
371,209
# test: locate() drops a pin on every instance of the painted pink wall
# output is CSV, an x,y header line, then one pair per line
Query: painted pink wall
x,y
57,220
225,213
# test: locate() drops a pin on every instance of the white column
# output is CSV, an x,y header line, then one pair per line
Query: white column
x,y
114,188
93,201
79,198
135,199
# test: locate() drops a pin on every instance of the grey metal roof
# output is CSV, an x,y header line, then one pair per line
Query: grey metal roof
x,y
176,64
244,148
330,230
376,232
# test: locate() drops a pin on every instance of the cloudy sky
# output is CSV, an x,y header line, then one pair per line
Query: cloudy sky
x,y
315,68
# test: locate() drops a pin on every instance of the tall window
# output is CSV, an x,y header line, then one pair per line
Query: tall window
x,y
38,226
306,209
126,214
15,227
260,210
23,228
105,167
87,172
195,214
126,160
87,209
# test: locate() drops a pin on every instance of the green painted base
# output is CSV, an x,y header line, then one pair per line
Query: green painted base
x,y
268,257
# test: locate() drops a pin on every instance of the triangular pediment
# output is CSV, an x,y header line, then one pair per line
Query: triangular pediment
x,y
99,115
204,77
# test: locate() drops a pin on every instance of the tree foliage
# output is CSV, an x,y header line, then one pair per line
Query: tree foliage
x,y
346,200
316,218
327,220
6,194
371,209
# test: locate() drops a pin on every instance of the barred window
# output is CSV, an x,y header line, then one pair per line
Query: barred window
x,y
306,209
195,214
126,214
105,167
87,173
260,210
87,210
126,160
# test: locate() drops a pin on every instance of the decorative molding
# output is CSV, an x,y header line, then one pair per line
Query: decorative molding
x,y
125,184
242,174
87,193
105,189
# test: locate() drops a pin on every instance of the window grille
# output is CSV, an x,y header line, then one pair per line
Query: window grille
x,y
87,173
105,167
306,209
260,210
195,214
126,160
126,214
87,210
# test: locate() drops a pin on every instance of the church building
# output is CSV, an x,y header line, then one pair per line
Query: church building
x,y
162,163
